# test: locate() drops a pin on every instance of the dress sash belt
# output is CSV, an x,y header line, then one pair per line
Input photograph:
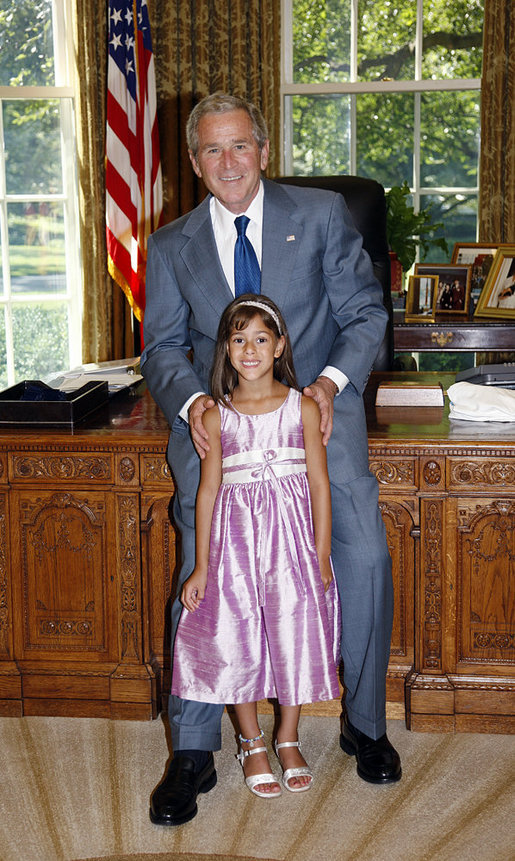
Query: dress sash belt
x,y
261,465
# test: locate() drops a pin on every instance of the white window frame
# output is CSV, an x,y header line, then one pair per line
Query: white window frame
x,y
417,86
63,90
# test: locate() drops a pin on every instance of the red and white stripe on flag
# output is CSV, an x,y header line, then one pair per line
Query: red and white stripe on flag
x,y
134,196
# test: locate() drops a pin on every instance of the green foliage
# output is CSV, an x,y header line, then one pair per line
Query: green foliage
x,y
382,125
32,146
321,46
26,43
34,260
407,230
452,46
445,362
40,334
31,127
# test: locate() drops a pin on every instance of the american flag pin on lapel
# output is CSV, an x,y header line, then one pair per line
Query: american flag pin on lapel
x,y
290,238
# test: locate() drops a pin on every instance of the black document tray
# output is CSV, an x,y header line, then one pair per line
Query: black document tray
x,y
489,375
66,413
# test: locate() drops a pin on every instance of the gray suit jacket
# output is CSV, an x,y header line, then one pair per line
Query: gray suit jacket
x,y
315,270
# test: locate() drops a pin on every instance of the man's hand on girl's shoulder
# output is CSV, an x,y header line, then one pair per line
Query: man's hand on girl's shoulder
x,y
323,391
199,433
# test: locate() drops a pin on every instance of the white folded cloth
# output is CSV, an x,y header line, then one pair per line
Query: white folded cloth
x,y
477,403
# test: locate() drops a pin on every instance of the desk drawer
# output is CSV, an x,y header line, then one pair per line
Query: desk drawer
x,y
61,466
481,473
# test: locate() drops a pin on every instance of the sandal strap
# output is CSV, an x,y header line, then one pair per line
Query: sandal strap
x,y
256,779
286,744
301,771
243,753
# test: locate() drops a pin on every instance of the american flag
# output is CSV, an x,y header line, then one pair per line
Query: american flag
x,y
133,169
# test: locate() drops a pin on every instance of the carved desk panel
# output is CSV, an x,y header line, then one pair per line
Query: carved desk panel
x,y
75,633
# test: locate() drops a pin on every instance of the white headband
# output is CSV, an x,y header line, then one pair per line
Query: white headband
x,y
255,304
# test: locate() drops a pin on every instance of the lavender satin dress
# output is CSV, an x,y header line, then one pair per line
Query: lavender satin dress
x,y
265,627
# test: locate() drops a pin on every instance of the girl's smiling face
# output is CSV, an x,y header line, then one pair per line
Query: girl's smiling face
x,y
252,350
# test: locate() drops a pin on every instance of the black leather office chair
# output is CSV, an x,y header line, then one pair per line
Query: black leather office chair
x,y
367,205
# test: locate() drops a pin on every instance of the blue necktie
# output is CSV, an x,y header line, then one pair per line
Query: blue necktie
x,y
247,274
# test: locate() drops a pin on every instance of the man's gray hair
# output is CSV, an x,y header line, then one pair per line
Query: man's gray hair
x,y
221,103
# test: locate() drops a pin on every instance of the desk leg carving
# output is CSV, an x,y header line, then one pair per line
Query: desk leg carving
x,y
132,684
431,586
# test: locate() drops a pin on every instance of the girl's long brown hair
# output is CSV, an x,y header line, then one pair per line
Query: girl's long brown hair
x,y
237,316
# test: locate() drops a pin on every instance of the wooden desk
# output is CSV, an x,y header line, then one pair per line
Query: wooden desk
x,y
83,529
447,496
87,560
453,334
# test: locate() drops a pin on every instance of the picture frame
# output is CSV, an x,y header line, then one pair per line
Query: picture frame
x,y
478,255
497,299
421,298
453,294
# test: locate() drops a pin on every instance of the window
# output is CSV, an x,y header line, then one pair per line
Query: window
x,y
40,281
388,89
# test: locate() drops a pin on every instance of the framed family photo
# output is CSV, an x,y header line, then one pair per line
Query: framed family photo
x,y
498,295
421,298
478,255
453,292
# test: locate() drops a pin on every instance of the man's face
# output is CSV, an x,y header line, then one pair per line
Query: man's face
x,y
229,159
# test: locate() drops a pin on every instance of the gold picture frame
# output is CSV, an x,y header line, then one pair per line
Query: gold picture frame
x,y
421,298
479,256
453,295
497,299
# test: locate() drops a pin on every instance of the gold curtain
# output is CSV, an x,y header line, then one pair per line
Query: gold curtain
x,y
202,46
497,160
199,46
106,325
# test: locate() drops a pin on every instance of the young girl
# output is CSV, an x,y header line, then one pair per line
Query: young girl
x,y
263,608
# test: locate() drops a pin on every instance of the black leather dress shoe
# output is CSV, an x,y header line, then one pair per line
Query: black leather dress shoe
x,y
174,801
377,761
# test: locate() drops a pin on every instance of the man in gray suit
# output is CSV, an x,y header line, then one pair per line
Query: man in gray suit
x,y
314,268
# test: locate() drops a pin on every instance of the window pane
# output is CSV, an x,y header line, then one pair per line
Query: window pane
x,y
40,334
26,43
36,247
449,146
321,40
458,212
450,362
384,136
32,146
321,131
386,39
453,39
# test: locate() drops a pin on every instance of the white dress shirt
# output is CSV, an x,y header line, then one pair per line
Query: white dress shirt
x,y
225,237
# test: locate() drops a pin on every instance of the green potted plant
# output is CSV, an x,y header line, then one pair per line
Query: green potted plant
x,y
406,229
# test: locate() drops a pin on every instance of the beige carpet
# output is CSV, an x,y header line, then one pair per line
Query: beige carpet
x,y
74,789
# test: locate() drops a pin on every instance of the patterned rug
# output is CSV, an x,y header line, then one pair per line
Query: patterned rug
x,y
73,789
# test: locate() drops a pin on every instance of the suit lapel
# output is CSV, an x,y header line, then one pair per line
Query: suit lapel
x,y
282,234
201,258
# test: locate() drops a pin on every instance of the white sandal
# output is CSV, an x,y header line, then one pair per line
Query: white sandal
x,y
256,779
301,771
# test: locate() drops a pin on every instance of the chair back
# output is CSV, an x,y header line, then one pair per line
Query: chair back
x,y
366,201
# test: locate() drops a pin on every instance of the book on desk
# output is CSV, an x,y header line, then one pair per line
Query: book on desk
x,y
409,394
